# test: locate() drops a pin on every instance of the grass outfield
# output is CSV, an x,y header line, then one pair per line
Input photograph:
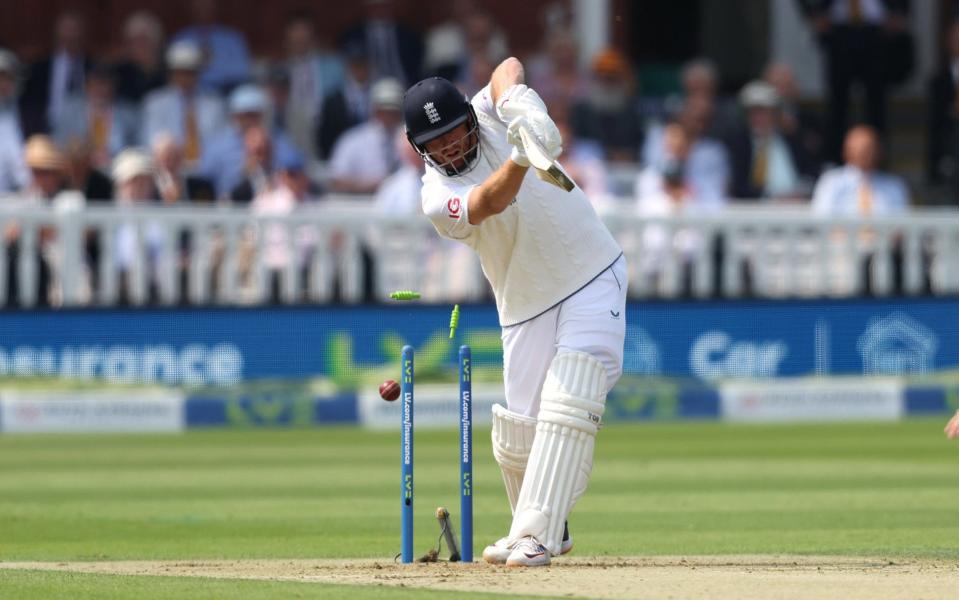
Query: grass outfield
x,y
678,489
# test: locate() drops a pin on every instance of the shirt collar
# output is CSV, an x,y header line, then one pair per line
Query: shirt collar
x,y
859,173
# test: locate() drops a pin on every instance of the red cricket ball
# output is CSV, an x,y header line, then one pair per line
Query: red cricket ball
x,y
389,390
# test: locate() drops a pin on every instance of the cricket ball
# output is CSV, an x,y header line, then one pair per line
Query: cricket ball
x,y
389,390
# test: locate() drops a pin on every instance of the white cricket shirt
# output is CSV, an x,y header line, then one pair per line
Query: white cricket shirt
x,y
543,248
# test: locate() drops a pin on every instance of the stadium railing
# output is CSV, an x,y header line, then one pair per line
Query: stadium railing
x,y
101,256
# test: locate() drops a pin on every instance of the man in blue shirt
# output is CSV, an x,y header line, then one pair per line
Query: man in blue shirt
x,y
224,158
227,58
860,189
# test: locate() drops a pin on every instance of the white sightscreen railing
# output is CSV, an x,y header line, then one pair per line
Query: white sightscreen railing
x,y
227,256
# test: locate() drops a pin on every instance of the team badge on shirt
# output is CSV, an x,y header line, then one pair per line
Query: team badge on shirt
x,y
453,207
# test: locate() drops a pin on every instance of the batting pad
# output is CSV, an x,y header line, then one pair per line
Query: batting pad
x,y
572,406
512,441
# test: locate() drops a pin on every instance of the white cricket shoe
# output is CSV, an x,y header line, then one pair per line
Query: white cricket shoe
x,y
528,552
498,553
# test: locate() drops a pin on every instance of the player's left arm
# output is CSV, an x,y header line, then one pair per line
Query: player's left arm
x,y
518,105
508,73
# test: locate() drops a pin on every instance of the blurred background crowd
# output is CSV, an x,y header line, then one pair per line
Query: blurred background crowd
x,y
179,107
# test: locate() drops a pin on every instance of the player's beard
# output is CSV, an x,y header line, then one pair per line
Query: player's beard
x,y
466,160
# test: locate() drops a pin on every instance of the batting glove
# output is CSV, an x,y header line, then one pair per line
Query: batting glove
x,y
544,129
518,154
518,100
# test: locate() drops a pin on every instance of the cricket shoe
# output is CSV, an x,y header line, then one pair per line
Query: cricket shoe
x,y
499,552
528,552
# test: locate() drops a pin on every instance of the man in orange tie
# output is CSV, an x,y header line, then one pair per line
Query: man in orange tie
x,y
191,114
766,162
859,188
97,119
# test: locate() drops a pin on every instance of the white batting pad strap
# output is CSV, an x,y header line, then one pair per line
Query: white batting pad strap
x,y
513,436
561,458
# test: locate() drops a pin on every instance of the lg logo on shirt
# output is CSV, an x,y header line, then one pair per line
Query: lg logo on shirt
x,y
453,207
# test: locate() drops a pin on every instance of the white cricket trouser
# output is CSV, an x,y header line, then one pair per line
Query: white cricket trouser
x,y
592,320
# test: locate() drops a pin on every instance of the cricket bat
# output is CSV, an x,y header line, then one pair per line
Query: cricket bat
x,y
546,167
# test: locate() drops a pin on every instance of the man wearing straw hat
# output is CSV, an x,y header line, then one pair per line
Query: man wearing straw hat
x,y
47,180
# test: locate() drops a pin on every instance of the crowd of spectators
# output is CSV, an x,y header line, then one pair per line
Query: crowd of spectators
x,y
194,118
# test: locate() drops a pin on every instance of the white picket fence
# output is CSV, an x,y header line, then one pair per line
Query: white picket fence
x,y
223,255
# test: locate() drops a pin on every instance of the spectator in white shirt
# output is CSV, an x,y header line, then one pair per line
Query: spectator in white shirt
x,y
364,155
46,188
399,196
290,190
191,115
133,180
858,188
668,190
13,170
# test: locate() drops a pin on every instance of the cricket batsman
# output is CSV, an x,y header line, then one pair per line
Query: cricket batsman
x,y
559,279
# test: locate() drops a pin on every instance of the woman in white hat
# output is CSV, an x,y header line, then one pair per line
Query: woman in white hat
x,y
133,180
